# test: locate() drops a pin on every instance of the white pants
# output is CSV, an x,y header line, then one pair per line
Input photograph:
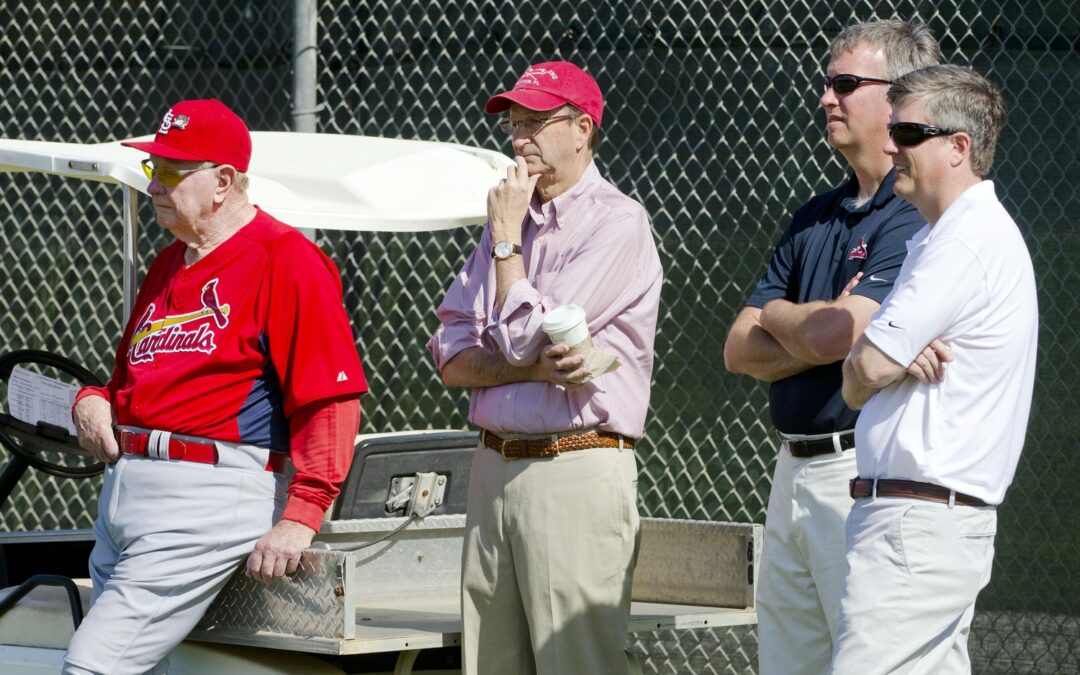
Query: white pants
x,y
169,534
803,566
916,568
547,564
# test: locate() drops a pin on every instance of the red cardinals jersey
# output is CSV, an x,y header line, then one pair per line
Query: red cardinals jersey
x,y
229,347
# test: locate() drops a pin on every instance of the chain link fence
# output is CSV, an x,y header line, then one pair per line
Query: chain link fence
x,y
713,124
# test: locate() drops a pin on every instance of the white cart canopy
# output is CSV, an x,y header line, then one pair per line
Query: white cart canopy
x,y
318,181
311,181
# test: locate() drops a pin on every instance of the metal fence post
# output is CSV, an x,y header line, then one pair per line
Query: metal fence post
x,y
305,71
305,53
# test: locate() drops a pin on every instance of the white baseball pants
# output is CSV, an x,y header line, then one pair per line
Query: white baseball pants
x,y
169,535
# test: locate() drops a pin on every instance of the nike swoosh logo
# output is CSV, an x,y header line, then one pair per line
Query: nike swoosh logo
x,y
874,277
893,325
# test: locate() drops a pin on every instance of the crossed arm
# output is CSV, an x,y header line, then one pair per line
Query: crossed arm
x,y
867,369
783,338
477,367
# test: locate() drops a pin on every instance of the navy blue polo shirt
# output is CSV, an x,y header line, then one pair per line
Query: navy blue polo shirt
x,y
829,240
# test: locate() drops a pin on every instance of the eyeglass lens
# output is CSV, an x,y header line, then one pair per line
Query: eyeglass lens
x,y
845,83
908,134
529,126
170,178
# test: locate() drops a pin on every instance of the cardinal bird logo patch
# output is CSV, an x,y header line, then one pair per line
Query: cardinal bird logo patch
x,y
858,252
189,332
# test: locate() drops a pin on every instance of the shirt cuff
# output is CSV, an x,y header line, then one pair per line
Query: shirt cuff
x,y
515,329
448,342
521,294
887,345
103,392
304,512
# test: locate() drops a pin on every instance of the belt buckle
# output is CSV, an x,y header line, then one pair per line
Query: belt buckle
x,y
502,448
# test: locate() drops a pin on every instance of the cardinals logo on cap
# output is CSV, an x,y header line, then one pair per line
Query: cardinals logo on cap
x,y
166,122
170,120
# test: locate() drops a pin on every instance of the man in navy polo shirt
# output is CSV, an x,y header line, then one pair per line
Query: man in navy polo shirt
x,y
830,272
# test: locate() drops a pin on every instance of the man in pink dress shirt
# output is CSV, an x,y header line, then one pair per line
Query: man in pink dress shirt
x,y
551,534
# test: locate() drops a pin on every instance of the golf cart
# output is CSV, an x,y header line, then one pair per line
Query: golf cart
x,y
378,591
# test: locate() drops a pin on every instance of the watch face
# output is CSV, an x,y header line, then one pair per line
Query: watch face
x,y
503,250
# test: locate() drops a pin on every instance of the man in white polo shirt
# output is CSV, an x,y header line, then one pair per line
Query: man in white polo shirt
x,y
944,374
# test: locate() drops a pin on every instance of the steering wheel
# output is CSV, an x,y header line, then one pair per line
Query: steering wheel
x,y
38,443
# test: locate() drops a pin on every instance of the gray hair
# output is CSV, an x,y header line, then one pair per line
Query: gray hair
x,y
908,45
958,98
575,112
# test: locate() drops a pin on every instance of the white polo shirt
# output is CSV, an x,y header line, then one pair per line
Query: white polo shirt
x,y
968,280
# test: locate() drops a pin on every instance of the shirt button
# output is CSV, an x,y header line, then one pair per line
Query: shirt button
x,y
508,397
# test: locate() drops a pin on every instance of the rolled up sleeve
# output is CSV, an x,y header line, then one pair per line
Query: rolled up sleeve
x,y
463,312
517,330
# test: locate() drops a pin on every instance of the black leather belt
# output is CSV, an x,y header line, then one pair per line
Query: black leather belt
x,y
860,488
820,446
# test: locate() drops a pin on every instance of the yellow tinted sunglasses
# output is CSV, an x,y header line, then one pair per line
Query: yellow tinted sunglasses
x,y
170,178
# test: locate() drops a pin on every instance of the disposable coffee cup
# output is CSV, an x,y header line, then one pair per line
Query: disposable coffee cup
x,y
566,326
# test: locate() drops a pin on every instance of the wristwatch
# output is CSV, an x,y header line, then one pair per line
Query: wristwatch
x,y
504,250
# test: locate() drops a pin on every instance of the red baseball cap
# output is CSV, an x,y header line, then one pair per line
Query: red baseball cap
x,y
546,86
202,130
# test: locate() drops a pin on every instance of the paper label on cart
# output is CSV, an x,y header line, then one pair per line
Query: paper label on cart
x,y
34,398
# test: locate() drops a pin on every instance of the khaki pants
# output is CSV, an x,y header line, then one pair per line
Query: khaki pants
x,y
803,565
915,569
547,565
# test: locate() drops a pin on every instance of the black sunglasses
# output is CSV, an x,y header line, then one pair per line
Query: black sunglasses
x,y
908,134
845,84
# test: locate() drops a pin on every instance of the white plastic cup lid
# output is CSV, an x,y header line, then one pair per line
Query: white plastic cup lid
x,y
562,319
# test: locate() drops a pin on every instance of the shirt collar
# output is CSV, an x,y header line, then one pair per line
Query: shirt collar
x,y
564,206
881,197
981,191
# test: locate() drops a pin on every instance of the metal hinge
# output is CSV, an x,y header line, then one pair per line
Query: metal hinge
x,y
419,494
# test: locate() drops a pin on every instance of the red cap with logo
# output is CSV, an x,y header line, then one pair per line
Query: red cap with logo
x,y
203,130
546,86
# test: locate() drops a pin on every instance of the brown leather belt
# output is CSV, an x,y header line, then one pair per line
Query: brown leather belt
x,y
864,487
525,448
820,446
187,449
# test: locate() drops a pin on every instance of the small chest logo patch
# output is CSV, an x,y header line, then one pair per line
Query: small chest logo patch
x,y
179,332
858,252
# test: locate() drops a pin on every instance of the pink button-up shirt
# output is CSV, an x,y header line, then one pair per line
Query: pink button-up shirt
x,y
590,246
